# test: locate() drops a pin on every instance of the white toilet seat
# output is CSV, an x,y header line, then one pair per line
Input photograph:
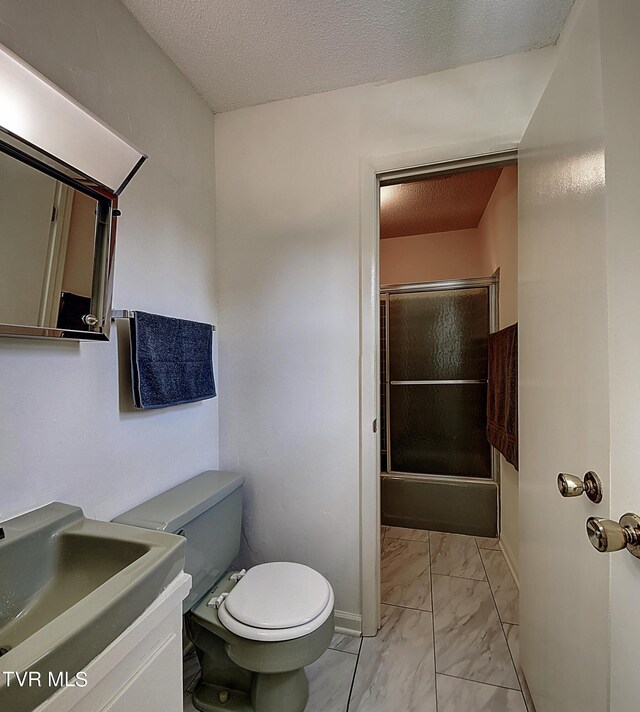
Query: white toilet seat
x,y
276,602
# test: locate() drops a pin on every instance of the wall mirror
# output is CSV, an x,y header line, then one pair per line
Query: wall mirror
x,y
55,254
61,171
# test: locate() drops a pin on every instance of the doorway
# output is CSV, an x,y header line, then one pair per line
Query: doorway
x,y
440,556
455,229
388,172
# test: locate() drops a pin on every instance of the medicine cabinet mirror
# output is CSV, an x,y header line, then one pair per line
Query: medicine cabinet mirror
x,y
61,171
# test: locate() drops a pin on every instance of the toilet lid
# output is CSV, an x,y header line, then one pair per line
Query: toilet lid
x,y
278,595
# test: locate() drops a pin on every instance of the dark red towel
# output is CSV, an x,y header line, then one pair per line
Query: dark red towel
x,y
502,393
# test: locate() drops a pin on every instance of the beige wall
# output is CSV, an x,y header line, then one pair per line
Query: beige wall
x,y
441,255
78,265
499,235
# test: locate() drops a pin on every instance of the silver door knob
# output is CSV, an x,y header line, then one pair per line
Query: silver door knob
x,y
572,486
90,319
606,535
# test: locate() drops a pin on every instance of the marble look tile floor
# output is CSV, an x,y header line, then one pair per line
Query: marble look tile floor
x,y
462,657
456,555
502,584
404,574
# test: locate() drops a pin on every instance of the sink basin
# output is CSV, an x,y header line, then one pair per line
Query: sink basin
x,y
69,586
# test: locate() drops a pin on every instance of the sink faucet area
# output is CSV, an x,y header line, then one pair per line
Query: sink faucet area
x,y
69,587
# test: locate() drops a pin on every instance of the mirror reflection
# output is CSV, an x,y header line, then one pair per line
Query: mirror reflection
x,y
47,243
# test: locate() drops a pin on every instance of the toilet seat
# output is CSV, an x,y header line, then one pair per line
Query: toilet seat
x,y
277,601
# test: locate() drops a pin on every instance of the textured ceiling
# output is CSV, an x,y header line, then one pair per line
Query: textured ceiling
x,y
245,52
454,202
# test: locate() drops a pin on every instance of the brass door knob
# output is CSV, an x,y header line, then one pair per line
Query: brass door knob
x,y
572,486
606,535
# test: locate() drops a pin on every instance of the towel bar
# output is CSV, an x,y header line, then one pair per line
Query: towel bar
x,y
129,314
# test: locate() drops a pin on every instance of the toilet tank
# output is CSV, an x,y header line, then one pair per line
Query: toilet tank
x,y
207,510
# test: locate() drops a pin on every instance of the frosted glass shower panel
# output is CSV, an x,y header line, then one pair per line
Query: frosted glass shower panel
x,y
440,429
437,382
439,335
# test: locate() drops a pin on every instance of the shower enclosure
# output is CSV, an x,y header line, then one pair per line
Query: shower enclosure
x,y
438,470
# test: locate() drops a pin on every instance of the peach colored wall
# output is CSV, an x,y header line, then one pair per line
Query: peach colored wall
x,y
499,235
78,266
440,255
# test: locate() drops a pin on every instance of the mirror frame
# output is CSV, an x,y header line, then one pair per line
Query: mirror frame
x,y
47,129
104,250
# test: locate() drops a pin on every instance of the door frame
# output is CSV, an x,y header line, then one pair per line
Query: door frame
x,y
444,159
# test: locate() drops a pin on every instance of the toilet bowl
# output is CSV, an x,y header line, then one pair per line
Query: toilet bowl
x,y
274,602
254,631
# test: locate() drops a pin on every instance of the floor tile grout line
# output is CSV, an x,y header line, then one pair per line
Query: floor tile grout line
x,y
433,627
353,677
464,578
355,668
485,580
465,536
491,587
504,635
337,650
402,538
407,608
524,697
400,564
346,652
478,682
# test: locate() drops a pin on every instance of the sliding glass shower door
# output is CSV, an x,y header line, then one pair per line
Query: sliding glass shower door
x,y
436,373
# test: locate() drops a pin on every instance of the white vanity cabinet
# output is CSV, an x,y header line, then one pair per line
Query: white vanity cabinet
x,y
141,670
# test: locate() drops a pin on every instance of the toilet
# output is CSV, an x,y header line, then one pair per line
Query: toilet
x,y
254,631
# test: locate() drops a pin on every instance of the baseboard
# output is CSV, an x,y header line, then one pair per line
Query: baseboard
x,y
511,561
348,623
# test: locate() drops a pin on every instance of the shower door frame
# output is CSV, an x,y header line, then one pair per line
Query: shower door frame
x,y
493,284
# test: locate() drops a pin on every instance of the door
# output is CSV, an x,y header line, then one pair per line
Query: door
x,y
579,267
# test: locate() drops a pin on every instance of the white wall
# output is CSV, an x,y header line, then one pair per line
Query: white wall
x,y
288,232
64,433
499,230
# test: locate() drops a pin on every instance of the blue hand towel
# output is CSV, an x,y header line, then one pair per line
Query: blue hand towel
x,y
171,361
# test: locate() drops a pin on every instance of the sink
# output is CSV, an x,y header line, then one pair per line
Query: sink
x,y
69,586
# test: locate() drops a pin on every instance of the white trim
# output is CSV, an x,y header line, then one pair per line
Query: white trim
x,y
56,255
348,623
369,400
511,561
370,169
